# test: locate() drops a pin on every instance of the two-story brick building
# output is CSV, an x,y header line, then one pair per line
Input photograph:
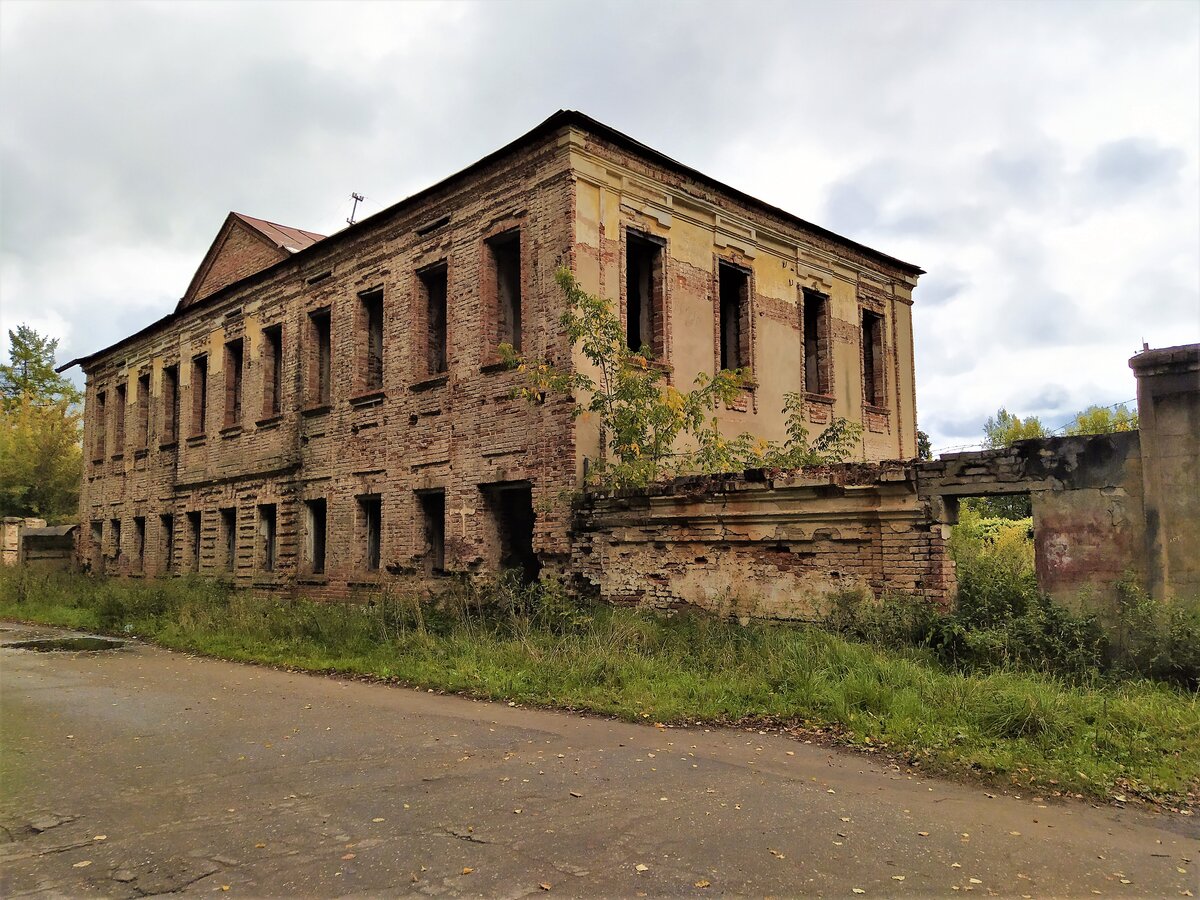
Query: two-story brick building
x,y
322,411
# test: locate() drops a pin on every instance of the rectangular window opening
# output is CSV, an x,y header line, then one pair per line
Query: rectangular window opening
x,y
101,425
643,294
139,543
119,420
167,530
234,357
200,395
272,356
370,522
229,537
143,406
97,555
433,521
194,535
434,282
872,355
170,398
506,262
314,536
321,360
734,289
816,343
512,519
267,545
372,324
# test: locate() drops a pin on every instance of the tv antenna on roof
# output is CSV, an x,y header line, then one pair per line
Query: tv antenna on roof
x,y
357,198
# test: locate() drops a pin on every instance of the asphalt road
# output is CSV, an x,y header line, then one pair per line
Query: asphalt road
x,y
139,772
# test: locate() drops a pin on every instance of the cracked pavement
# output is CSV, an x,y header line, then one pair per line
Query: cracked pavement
x,y
142,772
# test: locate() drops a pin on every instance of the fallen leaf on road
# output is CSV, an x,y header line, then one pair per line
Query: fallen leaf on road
x,y
923,833
260,845
82,865
545,885
703,883
100,837
858,890
775,853
516,812
897,878
975,881
955,865
467,870
1015,833
224,887
349,855
377,819
845,818
642,867
576,794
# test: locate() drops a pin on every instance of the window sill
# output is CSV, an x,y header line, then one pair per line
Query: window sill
x,y
313,579
141,454
494,364
270,421
311,411
168,445
231,431
374,398
197,440
117,457
98,461
428,384
819,398
364,580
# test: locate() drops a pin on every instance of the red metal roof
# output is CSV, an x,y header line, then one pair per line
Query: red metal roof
x,y
293,240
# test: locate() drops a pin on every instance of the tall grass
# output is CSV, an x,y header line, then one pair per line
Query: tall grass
x,y
535,646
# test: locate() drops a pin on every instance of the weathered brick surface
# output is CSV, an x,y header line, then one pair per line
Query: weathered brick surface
x,y
763,545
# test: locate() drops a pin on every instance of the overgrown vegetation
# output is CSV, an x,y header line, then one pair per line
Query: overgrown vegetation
x,y
533,645
1002,621
650,429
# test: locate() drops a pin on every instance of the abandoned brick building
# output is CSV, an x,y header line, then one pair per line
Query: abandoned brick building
x,y
318,412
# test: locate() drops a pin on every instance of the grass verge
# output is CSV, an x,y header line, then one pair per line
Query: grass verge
x,y
1104,738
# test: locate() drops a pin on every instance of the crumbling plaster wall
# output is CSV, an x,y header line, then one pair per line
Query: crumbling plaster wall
x,y
762,544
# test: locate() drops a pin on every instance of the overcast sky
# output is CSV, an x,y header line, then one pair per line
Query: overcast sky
x,y
1040,160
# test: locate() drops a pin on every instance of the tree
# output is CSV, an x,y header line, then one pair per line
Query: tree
x,y
1103,420
924,445
641,419
30,372
41,460
1004,428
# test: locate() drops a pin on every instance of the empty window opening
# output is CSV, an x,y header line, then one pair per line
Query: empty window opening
x,y
229,537
143,407
314,536
506,261
234,358
816,343
272,357
643,293
200,395
101,425
433,530
97,555
119,421
434,283
139,542
267,547
734,285
166,523
872,355
114,528
372,325
370,521
195,530
511,508
170,398
321,361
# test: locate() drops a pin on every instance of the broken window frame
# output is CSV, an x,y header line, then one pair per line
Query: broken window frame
x,y
371,336
735,343
650,310
434,349
816,343
874,383
505,269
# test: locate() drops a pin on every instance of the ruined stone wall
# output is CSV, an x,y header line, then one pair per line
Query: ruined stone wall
x,y
455,431
763,545
620,192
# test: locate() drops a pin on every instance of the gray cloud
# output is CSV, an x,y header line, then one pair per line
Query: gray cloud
x,y
1120,169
